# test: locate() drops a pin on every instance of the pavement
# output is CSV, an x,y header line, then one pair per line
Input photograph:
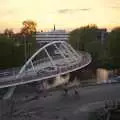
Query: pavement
x,y
30,105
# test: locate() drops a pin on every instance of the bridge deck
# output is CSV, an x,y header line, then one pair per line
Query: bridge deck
x,y
46,72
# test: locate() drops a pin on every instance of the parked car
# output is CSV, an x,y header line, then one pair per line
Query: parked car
x,y
114,79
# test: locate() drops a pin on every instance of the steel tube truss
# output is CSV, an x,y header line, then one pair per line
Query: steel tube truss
x,y
52,66
61,53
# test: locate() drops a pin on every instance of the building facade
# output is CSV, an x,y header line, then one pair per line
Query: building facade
x,y
54,35
102,35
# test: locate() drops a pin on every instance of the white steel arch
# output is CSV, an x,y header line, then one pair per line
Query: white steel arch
x,y
71,61
44,48
36,53
62,66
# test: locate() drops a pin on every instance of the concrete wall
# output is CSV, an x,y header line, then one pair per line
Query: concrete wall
x,y
103,75
59,80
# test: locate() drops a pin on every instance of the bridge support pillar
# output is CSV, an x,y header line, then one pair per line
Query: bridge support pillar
x,y
9,93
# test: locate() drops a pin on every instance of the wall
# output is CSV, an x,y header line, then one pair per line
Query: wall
x,y
103,75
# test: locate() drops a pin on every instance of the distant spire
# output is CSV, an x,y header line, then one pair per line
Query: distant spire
x,y
54,27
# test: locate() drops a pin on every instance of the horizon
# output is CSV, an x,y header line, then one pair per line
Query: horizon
x,y
17,30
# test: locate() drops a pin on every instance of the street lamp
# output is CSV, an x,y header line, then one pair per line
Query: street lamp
x,y
25,51
27,48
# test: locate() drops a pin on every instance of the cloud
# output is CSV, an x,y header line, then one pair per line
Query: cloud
x,y
8,12
64,11
115,7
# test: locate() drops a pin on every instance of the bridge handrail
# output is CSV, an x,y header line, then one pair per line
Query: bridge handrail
x,y
45,75
9,72
73,65
14,71
44,59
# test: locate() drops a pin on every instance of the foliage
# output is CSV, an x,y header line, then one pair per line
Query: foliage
x,y
85,39
29,27
8,32
10,54
81,37
114,47
107,54
14,48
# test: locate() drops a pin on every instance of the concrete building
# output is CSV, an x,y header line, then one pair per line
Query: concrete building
x,y
54,35
102,35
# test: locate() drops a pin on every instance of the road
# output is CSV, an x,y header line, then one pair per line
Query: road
x,y
55,106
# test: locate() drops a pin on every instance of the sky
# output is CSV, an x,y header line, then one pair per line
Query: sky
x,y
65,14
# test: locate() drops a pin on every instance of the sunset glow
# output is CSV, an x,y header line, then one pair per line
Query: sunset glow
x,y
66,14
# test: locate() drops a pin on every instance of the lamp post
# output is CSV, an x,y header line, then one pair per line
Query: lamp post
x,y
25,51
29,49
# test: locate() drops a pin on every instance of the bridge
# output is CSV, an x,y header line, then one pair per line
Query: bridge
x,y
53,59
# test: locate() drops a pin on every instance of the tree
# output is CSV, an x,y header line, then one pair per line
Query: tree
x,y
29,27
79,38
11,55
85,39
114,47
8,32
14,48
28,35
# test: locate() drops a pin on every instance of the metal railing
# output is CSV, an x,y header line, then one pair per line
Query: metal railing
x,y
44,74
9,72
14,71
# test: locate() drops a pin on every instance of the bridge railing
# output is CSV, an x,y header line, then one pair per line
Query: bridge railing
x,y
86,58
9,72
45,60
14,71
41,75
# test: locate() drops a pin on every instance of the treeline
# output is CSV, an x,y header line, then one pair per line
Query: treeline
x,y
103,46
16,48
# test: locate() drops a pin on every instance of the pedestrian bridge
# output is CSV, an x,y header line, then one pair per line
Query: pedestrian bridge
x,y
53,59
